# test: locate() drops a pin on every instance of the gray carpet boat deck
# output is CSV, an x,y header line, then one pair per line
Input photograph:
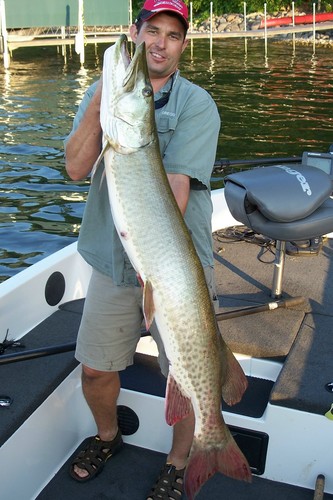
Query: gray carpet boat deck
x,y
130,475
300,336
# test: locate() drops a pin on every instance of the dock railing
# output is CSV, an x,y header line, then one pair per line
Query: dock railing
x,y
73,23
60,23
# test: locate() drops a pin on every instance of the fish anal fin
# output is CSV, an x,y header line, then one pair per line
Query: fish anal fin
x,y
178,406
234,381
203,463
148,303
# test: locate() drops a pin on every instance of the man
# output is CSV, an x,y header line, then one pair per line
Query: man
x,y
188,126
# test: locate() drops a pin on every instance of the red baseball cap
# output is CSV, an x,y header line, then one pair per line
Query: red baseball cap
x,y
152,7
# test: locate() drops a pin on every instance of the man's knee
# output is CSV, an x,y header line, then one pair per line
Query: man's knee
x,y
91,375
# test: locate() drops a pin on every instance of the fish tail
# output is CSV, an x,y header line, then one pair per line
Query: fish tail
x,y
234,381
204,463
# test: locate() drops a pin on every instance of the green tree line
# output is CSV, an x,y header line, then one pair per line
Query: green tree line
x,y
201,8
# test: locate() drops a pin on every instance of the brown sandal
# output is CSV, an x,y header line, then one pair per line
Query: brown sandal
x,y
94,456
169,484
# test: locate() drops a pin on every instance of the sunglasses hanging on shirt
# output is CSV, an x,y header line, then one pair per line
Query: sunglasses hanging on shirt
x,y
162,101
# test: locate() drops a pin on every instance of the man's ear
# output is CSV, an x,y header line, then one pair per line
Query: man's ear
x,y
185,44
133,32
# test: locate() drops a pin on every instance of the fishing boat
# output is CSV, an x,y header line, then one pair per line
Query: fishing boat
x,y
284,423
320,17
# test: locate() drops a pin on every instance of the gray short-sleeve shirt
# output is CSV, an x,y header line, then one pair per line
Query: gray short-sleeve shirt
x,y
188,127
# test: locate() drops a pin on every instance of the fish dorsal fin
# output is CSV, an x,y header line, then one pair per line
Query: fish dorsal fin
x,y
148,303
178,406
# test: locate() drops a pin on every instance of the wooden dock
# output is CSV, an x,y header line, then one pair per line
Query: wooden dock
x,y
78,23
108,37
15,41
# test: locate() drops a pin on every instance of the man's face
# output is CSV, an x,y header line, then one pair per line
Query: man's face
x,y
164,38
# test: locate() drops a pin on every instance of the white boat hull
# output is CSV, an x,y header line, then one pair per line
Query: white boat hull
x,y
299,448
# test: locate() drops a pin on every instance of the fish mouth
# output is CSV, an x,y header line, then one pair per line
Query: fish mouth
x,y
124,54
134,66
127,103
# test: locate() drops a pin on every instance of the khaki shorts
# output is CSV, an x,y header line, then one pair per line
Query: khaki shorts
x,y
111,324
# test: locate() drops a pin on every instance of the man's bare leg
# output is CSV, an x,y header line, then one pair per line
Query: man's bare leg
x,y
173,471
101,391
181,442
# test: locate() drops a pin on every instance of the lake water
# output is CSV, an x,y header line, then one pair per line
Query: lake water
x,y
272,103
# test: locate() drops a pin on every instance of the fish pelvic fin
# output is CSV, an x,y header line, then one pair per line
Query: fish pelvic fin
x,y
234,381
204,462
178,406
99,159
148,302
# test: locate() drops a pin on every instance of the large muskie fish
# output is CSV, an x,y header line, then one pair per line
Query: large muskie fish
x,y
175,294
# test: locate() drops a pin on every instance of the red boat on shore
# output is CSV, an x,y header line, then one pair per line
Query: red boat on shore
x,y
303,19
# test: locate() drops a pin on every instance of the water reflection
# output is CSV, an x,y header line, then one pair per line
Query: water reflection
x,y
6,85
83,79
276,102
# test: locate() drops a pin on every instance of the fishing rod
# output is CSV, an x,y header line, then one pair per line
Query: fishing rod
x,y
61,348
36,353
225,162
269,306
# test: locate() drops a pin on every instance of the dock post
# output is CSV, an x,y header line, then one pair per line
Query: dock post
x,y
191,17
63,45
4,34
314,27
245,28
265,28
79,37
211,31
293,17
130,13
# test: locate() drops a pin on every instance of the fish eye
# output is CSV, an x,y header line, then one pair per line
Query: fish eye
x,y
147,91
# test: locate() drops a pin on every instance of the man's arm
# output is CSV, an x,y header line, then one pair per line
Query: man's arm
x,y
190,148
180,185
84,145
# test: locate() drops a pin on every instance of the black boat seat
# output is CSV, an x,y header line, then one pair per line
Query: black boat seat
x,y
283,203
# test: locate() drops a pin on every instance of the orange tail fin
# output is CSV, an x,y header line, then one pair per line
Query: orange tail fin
x,y
204,463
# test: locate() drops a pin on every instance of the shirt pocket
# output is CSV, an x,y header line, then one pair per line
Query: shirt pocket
x,y
166,125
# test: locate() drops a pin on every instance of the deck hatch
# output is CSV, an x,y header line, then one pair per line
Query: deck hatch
x,y
254,445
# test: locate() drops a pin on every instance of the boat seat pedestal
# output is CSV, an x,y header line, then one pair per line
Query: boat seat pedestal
x,y
284,204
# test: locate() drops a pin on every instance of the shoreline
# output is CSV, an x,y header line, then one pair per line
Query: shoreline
x,y
234,25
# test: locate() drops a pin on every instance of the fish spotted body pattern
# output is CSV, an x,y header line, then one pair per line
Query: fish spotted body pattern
x,y
175,294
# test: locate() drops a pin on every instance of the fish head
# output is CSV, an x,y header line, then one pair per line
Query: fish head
x,y
127,103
